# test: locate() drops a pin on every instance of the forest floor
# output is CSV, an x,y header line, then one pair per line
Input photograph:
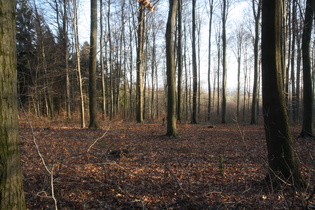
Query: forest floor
x,y
135,166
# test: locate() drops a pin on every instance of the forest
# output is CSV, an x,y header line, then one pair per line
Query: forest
x,y
139,104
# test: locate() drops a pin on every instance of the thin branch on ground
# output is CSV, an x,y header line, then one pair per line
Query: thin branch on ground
x,y
98,139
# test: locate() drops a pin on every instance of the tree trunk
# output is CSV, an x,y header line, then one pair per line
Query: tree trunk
x,y
78,62
110,65
307,127
66,58
224,17
282,162
102,61
11,183
140,64
180,62
92,66
256,51
293,31
194,62
170,60
209,60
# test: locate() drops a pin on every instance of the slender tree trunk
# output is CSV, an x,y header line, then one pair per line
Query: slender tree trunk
x,y
293,31
140,63
218,72
194,66
256,51
66,54
281,157
209,60
307,127
180,62
224,17
78,62
92,66
11,183
102,61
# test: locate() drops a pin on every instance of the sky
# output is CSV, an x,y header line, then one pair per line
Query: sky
x,y
236,14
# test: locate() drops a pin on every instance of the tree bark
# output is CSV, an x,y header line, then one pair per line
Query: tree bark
x,y
102,61
307,127
92,66
11,184
194,66
282,162
78,62
209,60
170,60
224,17
256,51
180,62
140,64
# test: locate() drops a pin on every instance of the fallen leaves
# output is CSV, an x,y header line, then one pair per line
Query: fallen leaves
x,y
158,172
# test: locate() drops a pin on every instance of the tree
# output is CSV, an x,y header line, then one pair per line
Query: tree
x,y
282,162
209,59
224,18
170,60
139,63
194,66
102,61
92,66
307,127
180,61
256,13
11,185
78,62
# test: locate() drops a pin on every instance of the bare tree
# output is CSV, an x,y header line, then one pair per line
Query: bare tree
x,y
92,66
256,12
225,7
180,61
209,59
194,66
78,62
140,63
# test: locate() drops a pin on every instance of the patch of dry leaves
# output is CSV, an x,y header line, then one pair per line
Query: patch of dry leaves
x,y
205,168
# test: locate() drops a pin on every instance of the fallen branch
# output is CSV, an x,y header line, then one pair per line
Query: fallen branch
x,y
51,172
98,139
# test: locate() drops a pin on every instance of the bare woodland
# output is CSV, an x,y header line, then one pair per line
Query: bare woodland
x,y
158,104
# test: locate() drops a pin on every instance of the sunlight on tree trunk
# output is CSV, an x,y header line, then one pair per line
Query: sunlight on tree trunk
x,y
11,183
92,66
170,60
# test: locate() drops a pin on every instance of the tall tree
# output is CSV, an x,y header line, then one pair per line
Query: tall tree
x,y
92,66
78,61
209,59
282,162
307,127
102,61
140,63
66,56
180,61
293,69
194,66
170,60
256,12
11,185
224,19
